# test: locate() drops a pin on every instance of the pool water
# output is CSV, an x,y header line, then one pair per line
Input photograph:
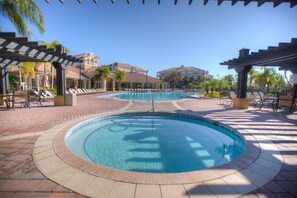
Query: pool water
x,y
154,144
147,96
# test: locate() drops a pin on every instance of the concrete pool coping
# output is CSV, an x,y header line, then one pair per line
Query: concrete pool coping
x,y
58,163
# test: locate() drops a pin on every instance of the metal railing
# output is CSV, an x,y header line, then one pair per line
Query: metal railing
x,y
153,102
151,97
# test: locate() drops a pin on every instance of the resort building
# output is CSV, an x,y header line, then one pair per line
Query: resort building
x,y
81,75
185,72
45,74
126,68
136,77
89,60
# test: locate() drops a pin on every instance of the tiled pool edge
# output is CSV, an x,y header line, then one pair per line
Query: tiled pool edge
x,y
52,158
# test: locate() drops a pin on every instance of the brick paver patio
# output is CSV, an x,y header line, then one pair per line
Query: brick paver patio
x,y
20,128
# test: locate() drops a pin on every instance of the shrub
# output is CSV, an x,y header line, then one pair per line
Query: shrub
x,y
214,94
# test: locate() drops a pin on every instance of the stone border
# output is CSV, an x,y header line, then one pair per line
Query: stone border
x,y
259,164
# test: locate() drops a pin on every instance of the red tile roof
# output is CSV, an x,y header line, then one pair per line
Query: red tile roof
x,y
127,66
74,72
140,78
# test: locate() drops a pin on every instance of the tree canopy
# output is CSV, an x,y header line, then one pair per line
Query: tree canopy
x,y
18,12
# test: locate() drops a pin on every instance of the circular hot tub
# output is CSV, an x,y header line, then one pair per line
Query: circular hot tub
x,y
154,142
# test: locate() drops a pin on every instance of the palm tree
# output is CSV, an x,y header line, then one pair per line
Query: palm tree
x,y
279,82
17,11
28,71
222,85
229,80
213,85
103,75
265,79
52,45
253,74
206,86
174,78
120,77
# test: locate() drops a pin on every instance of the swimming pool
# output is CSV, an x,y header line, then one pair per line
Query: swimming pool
x,y
147,96
154,142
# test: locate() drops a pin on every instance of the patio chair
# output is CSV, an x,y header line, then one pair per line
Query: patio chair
x,y
229,100
251,99
21,97
285,101
265,100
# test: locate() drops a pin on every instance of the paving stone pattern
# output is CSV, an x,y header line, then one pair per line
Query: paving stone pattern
x,y
20,128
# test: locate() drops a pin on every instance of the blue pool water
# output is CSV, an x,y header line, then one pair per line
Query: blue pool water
x,y
147,96
154,143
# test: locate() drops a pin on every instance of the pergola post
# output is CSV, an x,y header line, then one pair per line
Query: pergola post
x,y
240,101
61,84
4,82
242,80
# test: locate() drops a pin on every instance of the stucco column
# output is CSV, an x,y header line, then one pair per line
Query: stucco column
x,y
113,85
37,81
103,82
142,85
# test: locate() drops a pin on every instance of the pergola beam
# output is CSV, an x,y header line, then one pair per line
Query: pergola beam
x,y
220,2
260,3
247,2
293,3
283,54
276,3
233,2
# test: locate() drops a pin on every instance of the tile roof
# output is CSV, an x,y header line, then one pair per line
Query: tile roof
x,y
74,72
139,78
181,68
90,71
127,66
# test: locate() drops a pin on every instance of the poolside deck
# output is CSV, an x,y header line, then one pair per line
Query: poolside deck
x,y
21,128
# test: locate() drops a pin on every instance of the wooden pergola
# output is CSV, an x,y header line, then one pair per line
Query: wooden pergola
x,y
16,50
283,56
219,2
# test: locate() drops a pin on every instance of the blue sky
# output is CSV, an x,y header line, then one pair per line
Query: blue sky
x,y
157,37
